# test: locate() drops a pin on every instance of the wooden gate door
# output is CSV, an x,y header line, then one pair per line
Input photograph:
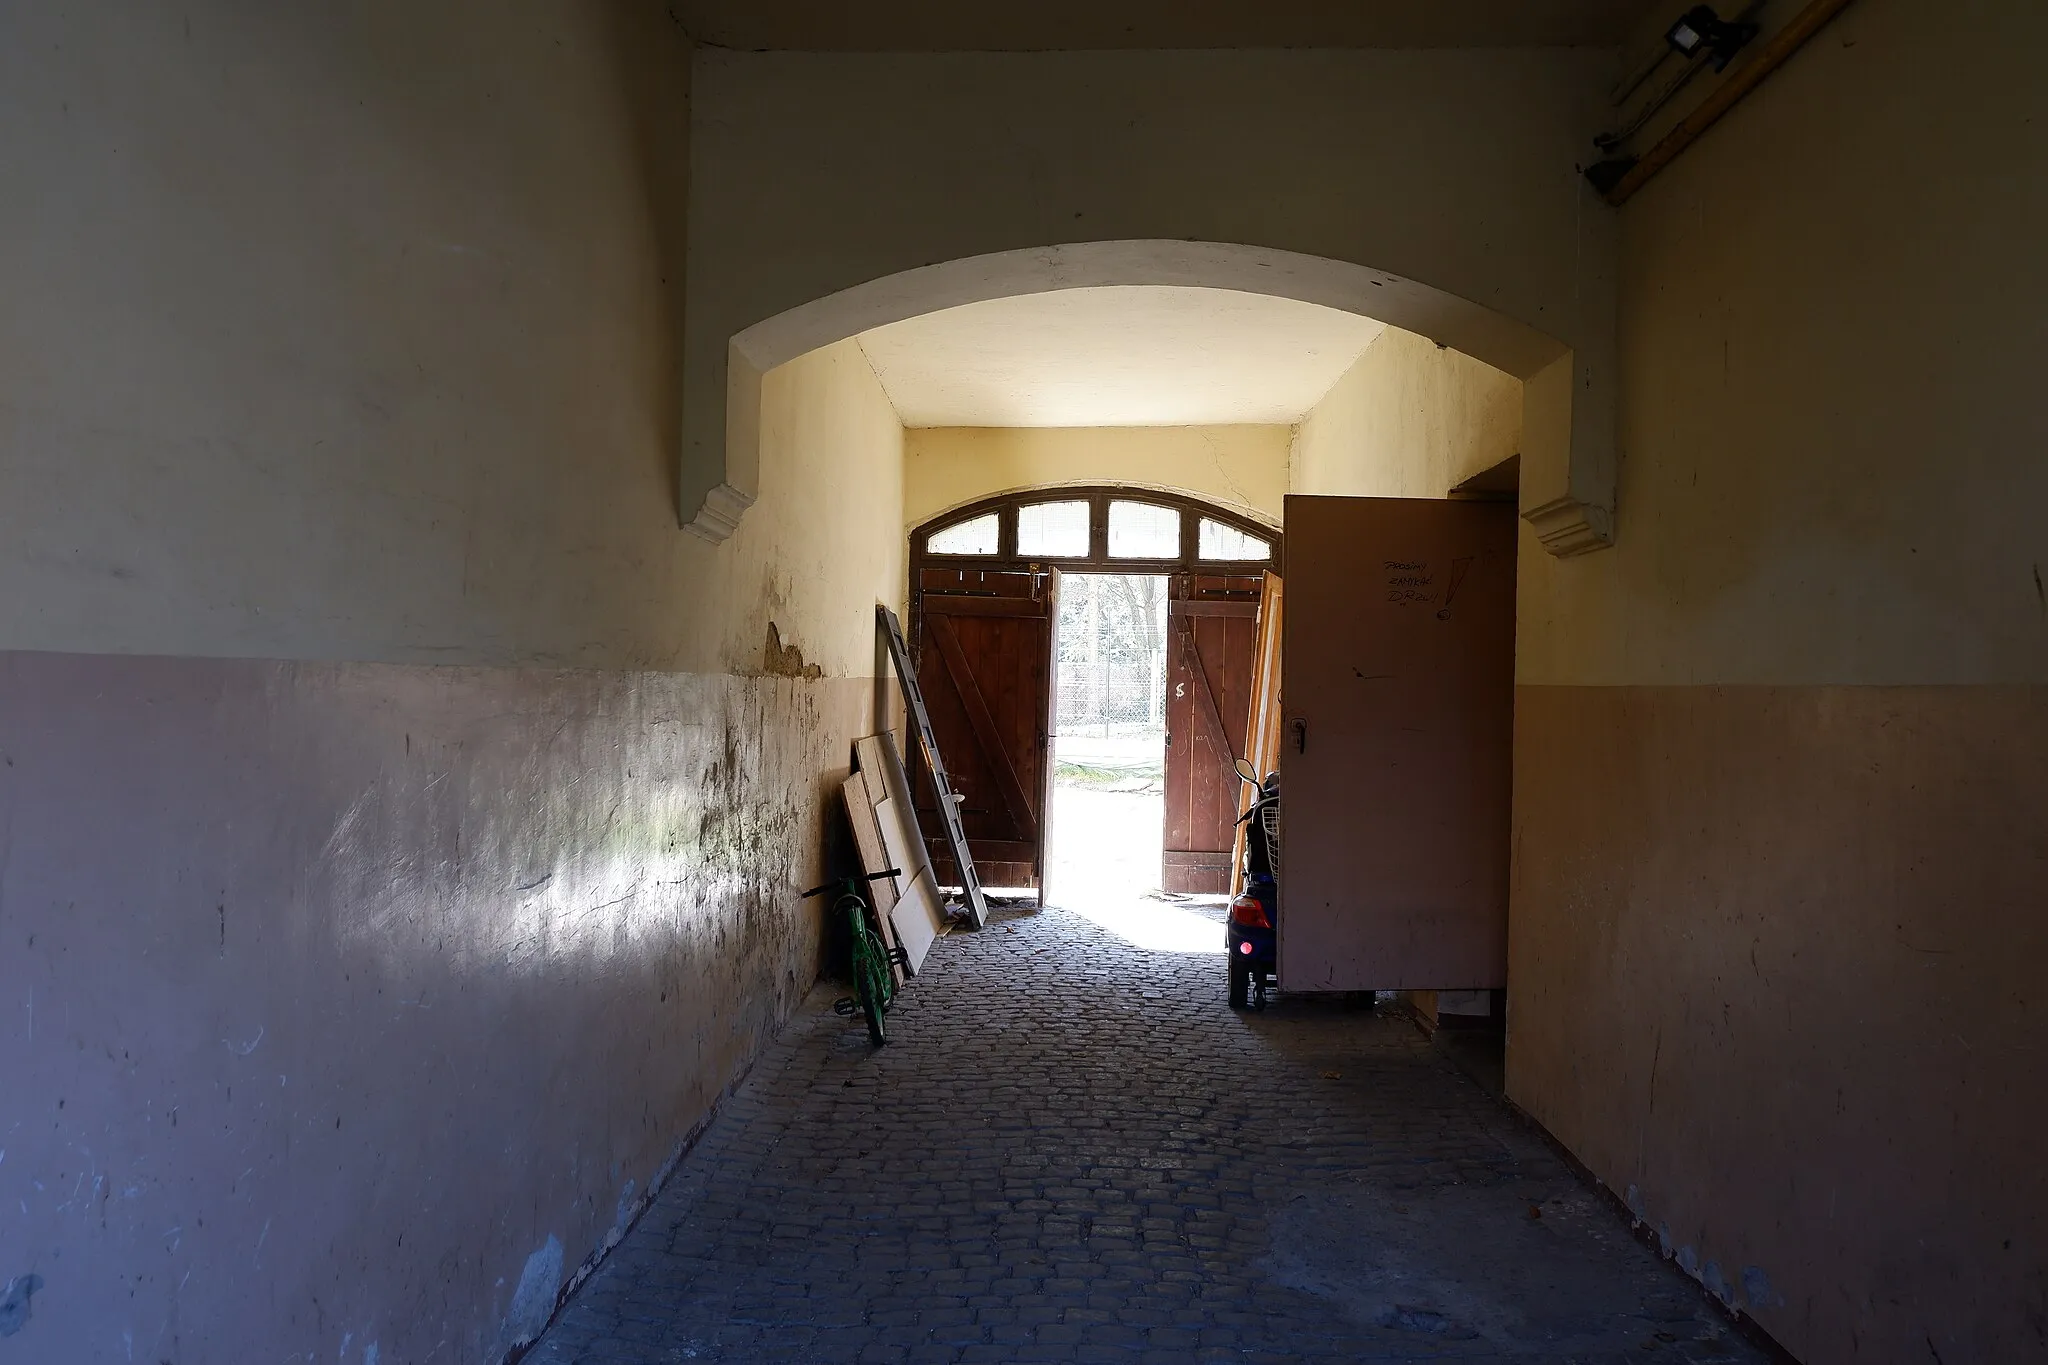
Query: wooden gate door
x,y
1262,732
1395,756
1211,636
985,667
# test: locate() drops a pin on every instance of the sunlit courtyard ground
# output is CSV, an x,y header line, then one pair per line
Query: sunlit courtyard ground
x,y
1105,865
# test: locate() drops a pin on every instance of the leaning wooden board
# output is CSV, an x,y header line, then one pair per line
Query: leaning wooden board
x,y
918,917
917,913
867,836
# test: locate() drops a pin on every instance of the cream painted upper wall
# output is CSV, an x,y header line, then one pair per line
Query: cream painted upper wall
x,y
351,333
1453,168
1835,317
824,546
1243,467
1408,420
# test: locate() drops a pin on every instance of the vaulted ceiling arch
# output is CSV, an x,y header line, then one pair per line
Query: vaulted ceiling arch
x,y
1567,468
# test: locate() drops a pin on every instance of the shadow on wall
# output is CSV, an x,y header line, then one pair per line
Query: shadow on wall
x,y
656,87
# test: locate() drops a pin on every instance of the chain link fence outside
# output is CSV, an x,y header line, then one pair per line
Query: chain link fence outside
x,y
1112,677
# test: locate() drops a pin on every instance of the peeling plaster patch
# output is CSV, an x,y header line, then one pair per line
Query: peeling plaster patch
x,y
622,1217
1716,1285
533,1302
786,661
1755,1290
14,1303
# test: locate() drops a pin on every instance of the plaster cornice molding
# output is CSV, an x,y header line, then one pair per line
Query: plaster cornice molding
x,y
1567,526
720,514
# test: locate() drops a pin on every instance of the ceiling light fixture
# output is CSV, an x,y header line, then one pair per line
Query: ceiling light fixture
x,y
1701,38
1700,29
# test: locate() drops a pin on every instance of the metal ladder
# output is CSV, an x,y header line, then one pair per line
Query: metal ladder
x,y
949,804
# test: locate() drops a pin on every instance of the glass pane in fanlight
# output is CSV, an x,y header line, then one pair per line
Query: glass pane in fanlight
x,y
1053,529
1215,540
1142,530
975,537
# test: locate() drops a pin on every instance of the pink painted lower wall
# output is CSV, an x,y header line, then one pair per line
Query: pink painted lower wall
x,y
352,1006
1779,974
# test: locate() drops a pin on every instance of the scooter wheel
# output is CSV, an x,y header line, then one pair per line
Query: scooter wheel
x,y
1240,983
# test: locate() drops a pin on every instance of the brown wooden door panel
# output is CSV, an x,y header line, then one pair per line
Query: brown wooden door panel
x,y
1212,632
995,747
1049,724
1262,738
1398,661
984,667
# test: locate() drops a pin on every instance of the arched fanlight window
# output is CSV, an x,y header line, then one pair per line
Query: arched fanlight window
x,y
1223,543
1097,528
1055,530
975,536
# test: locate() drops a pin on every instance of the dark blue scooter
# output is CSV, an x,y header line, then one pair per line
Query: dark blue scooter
x,y
1253,937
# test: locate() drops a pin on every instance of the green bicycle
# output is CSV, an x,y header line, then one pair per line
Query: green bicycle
x,y
873,983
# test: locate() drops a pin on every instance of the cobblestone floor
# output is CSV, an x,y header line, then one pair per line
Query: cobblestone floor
x,y
1072,1151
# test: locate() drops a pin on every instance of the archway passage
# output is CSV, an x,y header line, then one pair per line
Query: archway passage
x,y
1568,465
1148,668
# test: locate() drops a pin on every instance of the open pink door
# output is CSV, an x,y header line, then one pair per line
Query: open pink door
x,y
1397,684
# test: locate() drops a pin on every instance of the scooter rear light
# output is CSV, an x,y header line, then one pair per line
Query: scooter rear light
x,y
1247,911
1245,947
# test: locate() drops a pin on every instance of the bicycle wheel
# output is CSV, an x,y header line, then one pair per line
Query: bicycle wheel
x,y
871,1006
870,970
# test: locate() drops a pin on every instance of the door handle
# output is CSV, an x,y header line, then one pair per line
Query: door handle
x,y
1300,735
